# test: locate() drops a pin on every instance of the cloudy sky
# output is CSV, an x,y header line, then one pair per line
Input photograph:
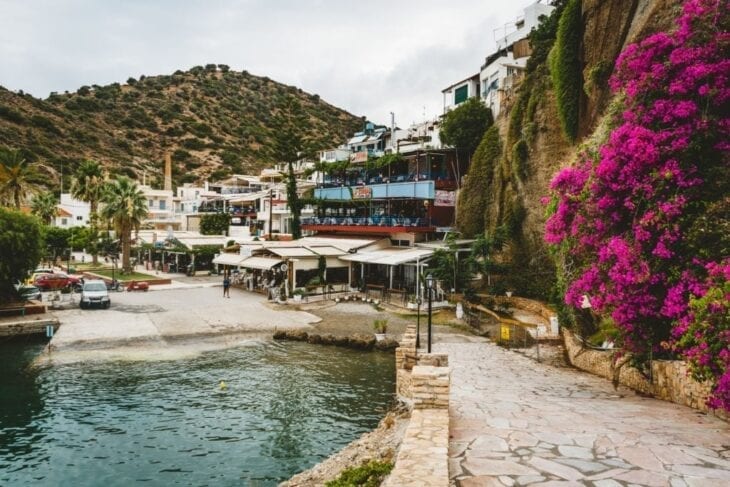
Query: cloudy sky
x,y
370,58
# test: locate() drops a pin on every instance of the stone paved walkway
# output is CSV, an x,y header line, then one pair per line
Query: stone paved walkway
x,y
517,422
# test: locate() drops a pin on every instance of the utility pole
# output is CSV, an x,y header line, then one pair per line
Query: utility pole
x,y
271,210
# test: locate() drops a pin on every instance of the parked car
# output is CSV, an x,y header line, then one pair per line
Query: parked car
x,y
27,292
57,280
94,293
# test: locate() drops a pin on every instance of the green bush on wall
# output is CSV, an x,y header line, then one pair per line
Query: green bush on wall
x,y
565,68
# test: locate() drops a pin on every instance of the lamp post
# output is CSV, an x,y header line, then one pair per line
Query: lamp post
x,y
418,322
429,287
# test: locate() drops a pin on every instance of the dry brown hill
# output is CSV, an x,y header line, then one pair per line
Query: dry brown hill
x,y
215,121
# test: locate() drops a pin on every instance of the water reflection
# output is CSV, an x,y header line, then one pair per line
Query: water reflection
x,y
286,407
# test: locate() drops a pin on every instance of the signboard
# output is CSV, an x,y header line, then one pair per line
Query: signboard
x,y
361,156
444,198
504,335
362,192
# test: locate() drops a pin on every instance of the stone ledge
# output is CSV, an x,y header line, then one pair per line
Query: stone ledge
x,y
423,456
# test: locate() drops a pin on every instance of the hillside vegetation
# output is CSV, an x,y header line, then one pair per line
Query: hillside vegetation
x,y
213,120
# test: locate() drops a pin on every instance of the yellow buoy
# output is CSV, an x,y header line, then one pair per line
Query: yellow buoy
x,y
223,385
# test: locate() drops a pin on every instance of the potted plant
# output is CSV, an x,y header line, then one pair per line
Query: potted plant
x,y
380,327
298,293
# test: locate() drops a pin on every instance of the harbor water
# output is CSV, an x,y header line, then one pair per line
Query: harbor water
x,y
252,415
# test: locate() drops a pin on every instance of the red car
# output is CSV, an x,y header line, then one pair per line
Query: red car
x,y
57,280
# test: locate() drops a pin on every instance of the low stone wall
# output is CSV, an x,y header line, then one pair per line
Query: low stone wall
x,y
525,304
422,380
670,379
423,455
154,281
355,341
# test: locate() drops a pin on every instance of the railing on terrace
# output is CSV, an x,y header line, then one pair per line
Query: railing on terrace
x,y
375,221
360,181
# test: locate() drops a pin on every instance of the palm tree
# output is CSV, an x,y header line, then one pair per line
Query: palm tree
x,y
87,185
126,207
43,206
16,176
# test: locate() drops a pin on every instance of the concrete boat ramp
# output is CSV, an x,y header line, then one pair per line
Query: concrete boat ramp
x,y
149,325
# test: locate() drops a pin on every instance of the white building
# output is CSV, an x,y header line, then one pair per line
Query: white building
x,y
335,155
160,208
189,198
71,212
459,92
502,70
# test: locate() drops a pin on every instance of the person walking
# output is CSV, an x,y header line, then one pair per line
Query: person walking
x,y
226,287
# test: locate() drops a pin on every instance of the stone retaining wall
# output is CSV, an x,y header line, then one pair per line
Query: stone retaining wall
x,y
422,379
525,304
670,379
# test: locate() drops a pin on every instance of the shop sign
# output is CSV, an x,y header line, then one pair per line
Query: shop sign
x,y
444,198
359,156
362,192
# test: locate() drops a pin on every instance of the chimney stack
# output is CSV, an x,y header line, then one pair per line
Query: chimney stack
x,y
168,172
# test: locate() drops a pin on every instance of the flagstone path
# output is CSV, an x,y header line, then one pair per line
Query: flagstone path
x,y
517,422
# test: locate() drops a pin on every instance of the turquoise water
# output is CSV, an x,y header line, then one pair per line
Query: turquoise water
x,y
287,406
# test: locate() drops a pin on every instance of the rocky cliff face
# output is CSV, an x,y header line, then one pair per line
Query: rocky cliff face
x,y
534,148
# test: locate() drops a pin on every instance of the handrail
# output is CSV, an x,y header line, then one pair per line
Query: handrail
x,y
375,221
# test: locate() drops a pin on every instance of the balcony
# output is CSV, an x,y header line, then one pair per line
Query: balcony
x,y
416,189
367,225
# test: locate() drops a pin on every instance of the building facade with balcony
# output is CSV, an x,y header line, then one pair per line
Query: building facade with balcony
x,y
160,209
407,199
503,70
459,92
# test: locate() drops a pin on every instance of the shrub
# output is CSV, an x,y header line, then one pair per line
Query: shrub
x,y
370,474
473,199
215,224
565,68
11,115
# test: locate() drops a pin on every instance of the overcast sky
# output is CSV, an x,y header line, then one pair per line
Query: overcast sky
x,y
368,57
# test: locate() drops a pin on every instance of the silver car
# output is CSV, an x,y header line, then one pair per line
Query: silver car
x,y
94,293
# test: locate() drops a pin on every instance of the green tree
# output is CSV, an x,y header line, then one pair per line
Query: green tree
x,y
57,242
447,266
44,206
81,238
16,177
125,206
464,126
473,197
215,224
88,185
290,147
566,70
21,249
481,259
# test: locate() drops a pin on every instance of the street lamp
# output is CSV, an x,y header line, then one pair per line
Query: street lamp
x,y
429,287
418,322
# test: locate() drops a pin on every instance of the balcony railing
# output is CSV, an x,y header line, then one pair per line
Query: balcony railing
x,y
375,221
419,189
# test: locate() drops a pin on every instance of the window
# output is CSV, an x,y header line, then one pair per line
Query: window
x,y
151,203
163,204
461,94
64,222
79,218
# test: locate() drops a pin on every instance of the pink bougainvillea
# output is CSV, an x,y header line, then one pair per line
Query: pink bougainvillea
x,y
628,213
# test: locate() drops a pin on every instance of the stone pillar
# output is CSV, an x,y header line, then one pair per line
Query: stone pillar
x,y
430,387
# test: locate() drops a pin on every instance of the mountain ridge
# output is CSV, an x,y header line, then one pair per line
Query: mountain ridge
x,y
213,120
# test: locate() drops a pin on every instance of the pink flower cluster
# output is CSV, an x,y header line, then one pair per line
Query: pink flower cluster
x,y
624,212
